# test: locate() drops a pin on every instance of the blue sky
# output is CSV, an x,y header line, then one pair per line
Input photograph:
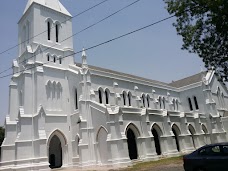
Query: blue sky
x,y
153,53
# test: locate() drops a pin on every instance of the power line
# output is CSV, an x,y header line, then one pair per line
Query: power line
x,y
97,45
53,27
92,25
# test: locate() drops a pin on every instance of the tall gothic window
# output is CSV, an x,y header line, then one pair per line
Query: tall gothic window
x,y
190,104
100,96
174,104
196,103
60,60
129,98
160,102
48,57
54,59
148,100
57,32
177,106
163,100
107,96
49,30
143,100
124,98
76,99
28,32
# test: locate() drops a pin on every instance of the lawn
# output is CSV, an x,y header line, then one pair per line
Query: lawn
x,y
154,164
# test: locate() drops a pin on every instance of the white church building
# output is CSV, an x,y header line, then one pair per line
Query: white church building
x,y
67,114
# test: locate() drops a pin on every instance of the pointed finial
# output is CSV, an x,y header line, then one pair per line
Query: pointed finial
x,y
83,52
84,61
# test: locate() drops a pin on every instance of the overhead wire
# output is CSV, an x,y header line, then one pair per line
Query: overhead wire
x,y
90,26
97,45
88,9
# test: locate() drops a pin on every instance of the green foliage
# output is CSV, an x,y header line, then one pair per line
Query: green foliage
x,y
203,25
2,135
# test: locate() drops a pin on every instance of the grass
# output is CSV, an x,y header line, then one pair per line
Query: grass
x,y
152,164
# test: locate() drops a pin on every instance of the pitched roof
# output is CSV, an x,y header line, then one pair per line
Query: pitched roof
x,y
188,80
176,84
53,4
123,74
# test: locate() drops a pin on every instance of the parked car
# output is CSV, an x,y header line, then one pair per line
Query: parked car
x,y
213,157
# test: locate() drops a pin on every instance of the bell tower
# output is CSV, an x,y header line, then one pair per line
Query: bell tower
x,y
46,26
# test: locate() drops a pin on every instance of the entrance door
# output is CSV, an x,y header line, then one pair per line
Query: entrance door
x,y
176,139
55,152
156,141
102,145
132,146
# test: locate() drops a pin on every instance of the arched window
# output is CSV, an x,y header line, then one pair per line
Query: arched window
x,y
107,96
76,99
28,32
196,103
148,100
129,98
100,95
48,57
160,102
124,98
174,104
60,60
190,104
54,59
57,32
49,30
177,106
143,100
21,98
24,36
163,100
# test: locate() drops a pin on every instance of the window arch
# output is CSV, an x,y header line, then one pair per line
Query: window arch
x,y
48,57
100,92
57,32
54,59
124,98
177,104
49,30
24,35
129,98
107,96
160,101
174,104
148,100
190,104
196,103
76,98
163,100
28,32
143,100
60,60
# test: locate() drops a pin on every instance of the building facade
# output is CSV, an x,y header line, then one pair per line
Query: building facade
x,y
64,114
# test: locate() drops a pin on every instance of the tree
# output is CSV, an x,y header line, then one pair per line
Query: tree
x,y
203,25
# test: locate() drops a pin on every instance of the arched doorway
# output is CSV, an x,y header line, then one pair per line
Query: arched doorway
x,y
176,133
55,152
102,145
205,134
132,145
192,132
156,141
